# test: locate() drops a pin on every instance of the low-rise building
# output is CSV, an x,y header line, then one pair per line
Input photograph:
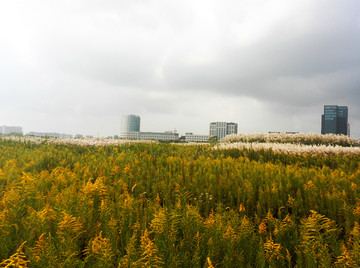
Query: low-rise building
x,y
159,136
131,135
190,137
49,134
130,129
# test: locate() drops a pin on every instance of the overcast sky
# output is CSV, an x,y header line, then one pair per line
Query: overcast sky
x,y
78,66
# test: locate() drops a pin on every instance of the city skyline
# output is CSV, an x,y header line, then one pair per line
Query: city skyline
x,y
334,120
76,67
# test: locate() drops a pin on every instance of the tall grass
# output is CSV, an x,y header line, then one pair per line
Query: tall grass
x,y
148,204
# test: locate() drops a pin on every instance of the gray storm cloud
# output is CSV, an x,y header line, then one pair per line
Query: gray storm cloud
x,y
77,66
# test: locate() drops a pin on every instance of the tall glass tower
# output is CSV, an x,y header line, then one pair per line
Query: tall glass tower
x,y
129,125
335,120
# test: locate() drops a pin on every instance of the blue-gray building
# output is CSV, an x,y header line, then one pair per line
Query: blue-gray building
x,y
129,124
335,120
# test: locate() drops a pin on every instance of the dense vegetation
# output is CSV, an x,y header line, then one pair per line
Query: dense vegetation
x,y
148,205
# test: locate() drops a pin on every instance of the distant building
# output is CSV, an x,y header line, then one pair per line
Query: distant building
x,y
10,130
287,132
129,135
190,137
130,129
222,129
49,134
335,120
159,136
129,123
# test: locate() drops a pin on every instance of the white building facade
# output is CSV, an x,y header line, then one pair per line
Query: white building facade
x,y
130,129
129,135
222,129
9,130
159,136
190,137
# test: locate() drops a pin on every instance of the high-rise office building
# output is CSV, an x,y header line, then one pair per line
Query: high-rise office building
x,y
129,125
231,128
335,120
222,129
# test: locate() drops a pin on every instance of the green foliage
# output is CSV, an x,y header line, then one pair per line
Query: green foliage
x,y
213,140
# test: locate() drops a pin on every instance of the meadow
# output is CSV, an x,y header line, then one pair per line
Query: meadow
x,y
239,203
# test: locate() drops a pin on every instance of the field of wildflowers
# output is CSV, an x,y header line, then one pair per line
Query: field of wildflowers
x,y
114,203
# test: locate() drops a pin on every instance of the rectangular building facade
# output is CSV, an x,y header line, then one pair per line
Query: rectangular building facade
x,y
222,129
190,137
158,136
335,120
7,130
232,128
130,129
